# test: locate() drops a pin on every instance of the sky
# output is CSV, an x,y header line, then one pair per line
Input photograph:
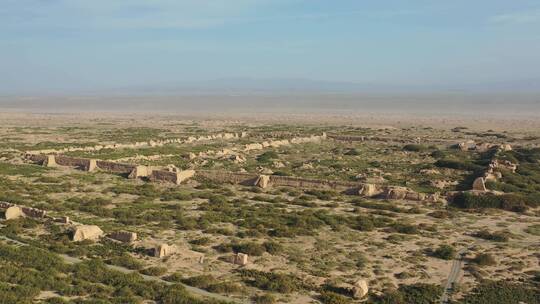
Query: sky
x,y
80,45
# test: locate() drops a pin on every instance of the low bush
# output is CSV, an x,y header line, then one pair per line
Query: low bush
x,y
202,241
251,248
267,156
502,292
404,228
456,164
201,281
277,282
264,299
533,229
328,297
414,148
352,152
509,202
484,259
445,252
498,236
418,293
154,271
127,261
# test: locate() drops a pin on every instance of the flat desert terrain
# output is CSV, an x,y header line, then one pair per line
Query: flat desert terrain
x,y
337,206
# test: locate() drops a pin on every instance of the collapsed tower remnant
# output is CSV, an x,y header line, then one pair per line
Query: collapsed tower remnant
x,y
479,184
14,212
91,166
50,161
140,171
262,181
241,259
368,190
87,232
176,177
163,250
184,175
124,236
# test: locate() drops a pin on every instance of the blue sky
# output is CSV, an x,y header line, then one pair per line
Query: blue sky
x,y
77,45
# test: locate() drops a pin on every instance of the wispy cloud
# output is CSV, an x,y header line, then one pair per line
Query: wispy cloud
x,y
525,17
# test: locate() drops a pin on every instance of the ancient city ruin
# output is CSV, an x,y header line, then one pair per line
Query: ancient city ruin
x,y
256,172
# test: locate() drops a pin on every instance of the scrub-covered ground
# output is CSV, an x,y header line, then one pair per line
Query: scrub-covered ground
x,y
304,245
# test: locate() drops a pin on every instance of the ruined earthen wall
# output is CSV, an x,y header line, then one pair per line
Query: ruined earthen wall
x,y
347,137
28,211
115,167
38,158
298,182
164,175
33,212
229,177
150,143
5,205
63,160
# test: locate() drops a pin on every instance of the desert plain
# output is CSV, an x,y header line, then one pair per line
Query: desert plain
x,y
319,207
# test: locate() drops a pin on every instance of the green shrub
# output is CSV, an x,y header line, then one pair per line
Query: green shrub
x,y
498,236
418,293
178,195
352,152
509,202
226,288
502,292
127,261
414,148
21,169
404,228
460,165
484,259
174,277
202,241
250,248
324,195
445,252
154,271
328,297
277,282
217,199
201,281
533,229
273,247
267,156
438,154
264,299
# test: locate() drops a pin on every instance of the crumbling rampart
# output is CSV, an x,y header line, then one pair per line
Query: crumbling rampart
x,y
150,143
28,211
176,176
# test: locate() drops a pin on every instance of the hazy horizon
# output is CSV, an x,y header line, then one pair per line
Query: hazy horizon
x,y
479,105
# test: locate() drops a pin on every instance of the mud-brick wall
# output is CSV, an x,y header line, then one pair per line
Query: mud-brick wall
x,y
33,212
72,161
5,205
115,167
28,211
229,177
164,176
310,183
347,137
38,158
